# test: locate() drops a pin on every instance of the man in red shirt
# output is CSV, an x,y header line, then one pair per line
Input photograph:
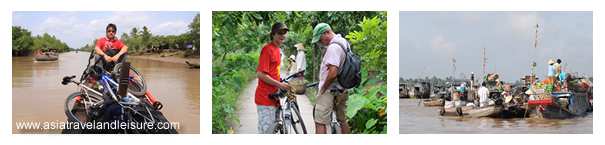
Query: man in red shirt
x,y
109,48
110,51
268,73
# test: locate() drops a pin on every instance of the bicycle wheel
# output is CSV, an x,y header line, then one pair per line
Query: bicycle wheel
x,y
334,124
144,113
287,126
298,120
333,128
74,109
136,82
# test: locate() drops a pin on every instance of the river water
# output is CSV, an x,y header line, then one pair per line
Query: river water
x,y
414,118
38,95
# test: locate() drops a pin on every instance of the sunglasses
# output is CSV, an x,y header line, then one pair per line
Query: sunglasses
x,y
282,32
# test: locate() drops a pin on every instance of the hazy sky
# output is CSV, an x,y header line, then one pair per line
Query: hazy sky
x,y
429,40
80,28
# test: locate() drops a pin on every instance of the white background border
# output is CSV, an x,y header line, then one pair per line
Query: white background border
x,y
206,7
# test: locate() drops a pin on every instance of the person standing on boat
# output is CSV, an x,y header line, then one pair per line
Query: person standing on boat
x,y
561,76
268,73
483,95
551,71
109,48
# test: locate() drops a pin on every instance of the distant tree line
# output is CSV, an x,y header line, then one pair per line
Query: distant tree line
x,y
24,43
141,40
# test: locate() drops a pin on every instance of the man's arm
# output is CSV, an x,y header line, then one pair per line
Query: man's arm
x,y
267,79
101,53
332,72
122,51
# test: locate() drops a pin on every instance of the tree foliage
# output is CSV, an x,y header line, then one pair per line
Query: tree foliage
x,y
244,33
24,43
142,40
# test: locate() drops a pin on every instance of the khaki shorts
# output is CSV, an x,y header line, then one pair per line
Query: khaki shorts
x,y
328,101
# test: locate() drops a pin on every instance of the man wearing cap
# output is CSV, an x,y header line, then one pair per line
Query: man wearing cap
x,y
268,73
331,95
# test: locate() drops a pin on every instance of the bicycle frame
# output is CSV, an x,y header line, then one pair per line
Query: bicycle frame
x,y
284,112
109,85
286,109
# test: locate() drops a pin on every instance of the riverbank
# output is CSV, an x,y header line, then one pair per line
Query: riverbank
x,y
170,59
156,57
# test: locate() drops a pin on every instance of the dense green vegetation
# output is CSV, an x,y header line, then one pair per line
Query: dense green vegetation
x,y
229,78
24,43
142,41
238,37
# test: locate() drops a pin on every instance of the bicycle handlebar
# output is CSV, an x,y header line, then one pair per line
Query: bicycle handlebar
x,y
68,79
299,73
282,92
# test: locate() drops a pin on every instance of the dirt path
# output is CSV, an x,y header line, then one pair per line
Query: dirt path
x,y
248,116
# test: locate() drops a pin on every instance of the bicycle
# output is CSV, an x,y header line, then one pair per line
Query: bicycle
x,y
288,115
90,102
335,125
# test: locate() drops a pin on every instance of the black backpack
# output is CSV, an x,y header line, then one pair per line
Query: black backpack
x,y
349,74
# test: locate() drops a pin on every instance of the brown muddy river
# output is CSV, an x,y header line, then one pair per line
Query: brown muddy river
x,y
414,118
38,95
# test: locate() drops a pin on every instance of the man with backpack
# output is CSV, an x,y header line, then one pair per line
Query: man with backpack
x,y
338,72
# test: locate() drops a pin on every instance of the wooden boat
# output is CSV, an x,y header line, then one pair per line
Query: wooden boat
x,y
561,105
469,111
47,56
192,65
435,102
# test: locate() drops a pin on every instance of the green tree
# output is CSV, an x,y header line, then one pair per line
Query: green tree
x,y
370,43
145,37
22,41
244,33
194,32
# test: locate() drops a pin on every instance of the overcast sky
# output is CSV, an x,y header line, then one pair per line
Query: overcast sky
x,y
429,40
80,28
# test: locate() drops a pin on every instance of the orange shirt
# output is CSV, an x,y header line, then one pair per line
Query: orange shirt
x,y
268,63
106,44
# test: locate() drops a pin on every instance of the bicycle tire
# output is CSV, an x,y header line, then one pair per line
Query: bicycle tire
x,y
335,126
300,119
155,114
136,84
287,126
69,112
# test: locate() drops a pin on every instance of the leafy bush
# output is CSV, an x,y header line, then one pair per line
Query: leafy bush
x,y
370,43
366,107
366,111
236,33
229,77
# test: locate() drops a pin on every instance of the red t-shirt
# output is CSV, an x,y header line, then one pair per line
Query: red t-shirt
x,y
105,44
268,63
